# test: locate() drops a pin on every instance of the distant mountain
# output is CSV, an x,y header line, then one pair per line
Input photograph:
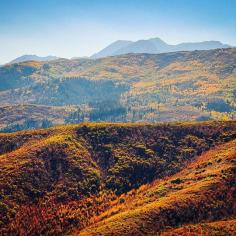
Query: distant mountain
x,y
112,48
206,45
154,46
32,58
145,46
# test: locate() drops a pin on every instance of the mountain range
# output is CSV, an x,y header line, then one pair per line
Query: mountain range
x,y
119,47
154,46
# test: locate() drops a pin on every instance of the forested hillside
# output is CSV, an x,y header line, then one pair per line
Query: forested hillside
x,y
198,85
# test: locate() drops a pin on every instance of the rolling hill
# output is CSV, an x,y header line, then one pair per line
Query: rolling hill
x,y
197,85
122,179
154,46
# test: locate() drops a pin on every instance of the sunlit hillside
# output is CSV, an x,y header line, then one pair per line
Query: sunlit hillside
x,y
98,178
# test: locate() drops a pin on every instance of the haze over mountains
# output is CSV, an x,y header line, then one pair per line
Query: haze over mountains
x,y
154,46
151,46
32,58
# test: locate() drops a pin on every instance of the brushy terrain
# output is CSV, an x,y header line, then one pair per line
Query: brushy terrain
x,y
117,179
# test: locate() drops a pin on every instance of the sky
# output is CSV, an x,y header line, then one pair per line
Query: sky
x,y
77,28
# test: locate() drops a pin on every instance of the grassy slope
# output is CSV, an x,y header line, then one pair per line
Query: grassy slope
x,y
70,163
203,191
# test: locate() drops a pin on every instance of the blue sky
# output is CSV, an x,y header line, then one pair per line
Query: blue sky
x,y
69,28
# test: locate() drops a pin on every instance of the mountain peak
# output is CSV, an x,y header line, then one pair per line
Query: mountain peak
x,y
112,48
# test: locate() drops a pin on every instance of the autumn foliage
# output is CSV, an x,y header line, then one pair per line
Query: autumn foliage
x,y
94,179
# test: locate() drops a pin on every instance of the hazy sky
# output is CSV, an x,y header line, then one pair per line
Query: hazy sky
x,y
69,28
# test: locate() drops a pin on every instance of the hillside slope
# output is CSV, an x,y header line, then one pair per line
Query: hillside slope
x,y
57,180
163,87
